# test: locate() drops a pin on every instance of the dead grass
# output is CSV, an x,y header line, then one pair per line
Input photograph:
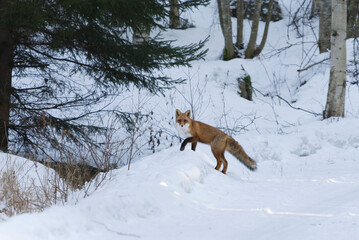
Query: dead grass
x,y
21,192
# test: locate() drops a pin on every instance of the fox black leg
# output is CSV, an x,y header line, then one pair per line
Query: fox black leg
x,y
187,140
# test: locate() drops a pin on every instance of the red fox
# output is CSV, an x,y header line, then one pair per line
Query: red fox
x,y
195,131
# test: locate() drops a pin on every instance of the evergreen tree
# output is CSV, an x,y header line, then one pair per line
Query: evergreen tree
x,y
60,58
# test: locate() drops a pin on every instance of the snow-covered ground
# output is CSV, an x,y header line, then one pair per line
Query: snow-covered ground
x,y
306,187
307,183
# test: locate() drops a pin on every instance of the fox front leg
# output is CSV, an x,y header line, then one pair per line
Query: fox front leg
x,y
194,145
192,140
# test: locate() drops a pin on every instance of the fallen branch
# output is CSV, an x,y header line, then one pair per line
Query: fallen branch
x,y
296,108
312,65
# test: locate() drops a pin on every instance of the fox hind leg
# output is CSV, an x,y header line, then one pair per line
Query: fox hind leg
x,y
218,149
219,164
221,160
194,145
216,155
225,164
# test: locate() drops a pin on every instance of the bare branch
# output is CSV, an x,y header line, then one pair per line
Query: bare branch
x,y
312,65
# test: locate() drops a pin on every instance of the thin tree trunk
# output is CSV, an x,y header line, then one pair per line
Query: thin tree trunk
x,y
266,28
324,23
353,19
240,17
337,82
220,13
175,21
254,30
226,26
6,64
140,35
315,9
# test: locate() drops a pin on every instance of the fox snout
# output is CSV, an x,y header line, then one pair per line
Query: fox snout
x,y
182,122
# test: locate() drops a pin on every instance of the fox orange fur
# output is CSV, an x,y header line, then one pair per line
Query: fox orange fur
x,y
195,131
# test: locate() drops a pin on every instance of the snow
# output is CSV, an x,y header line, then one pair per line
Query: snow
x,y
307,182
306,187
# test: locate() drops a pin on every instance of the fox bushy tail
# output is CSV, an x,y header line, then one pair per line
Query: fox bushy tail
x,y
237,150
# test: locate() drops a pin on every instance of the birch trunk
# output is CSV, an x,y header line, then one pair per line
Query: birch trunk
x,y
6,64
226,26
254,31
337,81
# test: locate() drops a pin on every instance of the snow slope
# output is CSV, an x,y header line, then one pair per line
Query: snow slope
x,y
307,183
306,187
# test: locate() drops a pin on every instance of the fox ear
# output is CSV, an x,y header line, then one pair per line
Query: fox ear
x,y
178,112
188,113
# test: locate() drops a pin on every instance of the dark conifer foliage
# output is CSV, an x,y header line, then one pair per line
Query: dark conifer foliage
x,y
66,56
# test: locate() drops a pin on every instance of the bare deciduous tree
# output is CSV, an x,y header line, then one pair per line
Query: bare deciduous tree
x,y
337,82
353,19
252,50
324,8
315,9
240,17
254,31
226,26
266,28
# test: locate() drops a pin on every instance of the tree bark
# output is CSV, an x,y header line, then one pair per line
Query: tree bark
x,y
337,82
140,35
324,23
315,9
6,65
226,26
266,28
254,31
353,19
175,21
240,17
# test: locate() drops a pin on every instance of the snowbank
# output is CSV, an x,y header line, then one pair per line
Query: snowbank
x,y
305,188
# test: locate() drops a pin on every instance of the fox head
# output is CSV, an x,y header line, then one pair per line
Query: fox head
x,y
183,119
